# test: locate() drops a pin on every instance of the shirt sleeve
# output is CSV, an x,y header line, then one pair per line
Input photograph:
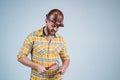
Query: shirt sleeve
x,y
63,53
27,47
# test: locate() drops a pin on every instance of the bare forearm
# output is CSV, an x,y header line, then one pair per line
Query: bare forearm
x,y
26,61
64,66
66,63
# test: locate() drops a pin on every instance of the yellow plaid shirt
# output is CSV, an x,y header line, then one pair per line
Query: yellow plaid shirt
x,y
44,53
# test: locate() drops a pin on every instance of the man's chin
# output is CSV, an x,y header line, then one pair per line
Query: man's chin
x,y
52,33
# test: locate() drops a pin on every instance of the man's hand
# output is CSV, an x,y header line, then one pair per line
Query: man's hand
x,y
41,69
62,70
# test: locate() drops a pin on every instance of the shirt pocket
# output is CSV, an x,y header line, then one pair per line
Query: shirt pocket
x,y
39,49
57,50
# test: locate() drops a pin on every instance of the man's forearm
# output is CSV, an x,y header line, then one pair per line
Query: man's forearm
x,y
26,61
66,63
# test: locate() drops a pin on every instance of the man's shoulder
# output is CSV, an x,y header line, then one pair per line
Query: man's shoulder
x,y
59,36
36,33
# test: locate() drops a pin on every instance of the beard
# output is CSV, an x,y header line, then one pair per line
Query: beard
x,y
51,32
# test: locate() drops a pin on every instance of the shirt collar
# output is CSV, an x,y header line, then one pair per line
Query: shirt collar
x,y
42,33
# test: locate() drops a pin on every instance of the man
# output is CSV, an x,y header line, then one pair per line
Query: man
x,y
47,49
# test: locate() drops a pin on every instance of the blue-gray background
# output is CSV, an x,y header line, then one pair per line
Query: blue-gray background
x,y
92,33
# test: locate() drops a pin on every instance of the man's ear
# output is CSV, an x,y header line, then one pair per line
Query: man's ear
x,y
46,20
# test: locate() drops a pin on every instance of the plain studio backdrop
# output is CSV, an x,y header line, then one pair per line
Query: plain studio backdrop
x,y
92,33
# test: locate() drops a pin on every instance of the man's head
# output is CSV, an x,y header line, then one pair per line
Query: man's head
x,y
54,20
56,16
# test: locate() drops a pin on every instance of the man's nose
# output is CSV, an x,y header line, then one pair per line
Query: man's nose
x,y
55,28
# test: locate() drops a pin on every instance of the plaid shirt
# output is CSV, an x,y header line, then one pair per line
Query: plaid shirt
x,y
45,53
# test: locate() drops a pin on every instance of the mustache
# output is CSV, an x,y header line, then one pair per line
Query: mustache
x,y
53,30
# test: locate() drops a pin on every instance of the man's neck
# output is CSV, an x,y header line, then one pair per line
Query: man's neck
x,y
46,34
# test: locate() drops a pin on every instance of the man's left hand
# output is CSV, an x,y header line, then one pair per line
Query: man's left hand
x,y
62,70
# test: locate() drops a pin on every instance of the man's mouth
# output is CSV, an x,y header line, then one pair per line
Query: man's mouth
x,y
52,31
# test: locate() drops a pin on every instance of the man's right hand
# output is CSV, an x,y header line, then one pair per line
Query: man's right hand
x,y
41,69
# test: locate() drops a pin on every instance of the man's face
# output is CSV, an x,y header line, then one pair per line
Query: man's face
x,y
51,28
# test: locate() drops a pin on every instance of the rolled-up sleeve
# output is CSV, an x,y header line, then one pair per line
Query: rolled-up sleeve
x,y
27,47
63,53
